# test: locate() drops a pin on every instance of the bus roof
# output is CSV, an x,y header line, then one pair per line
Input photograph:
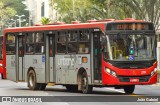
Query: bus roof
x,y
90,24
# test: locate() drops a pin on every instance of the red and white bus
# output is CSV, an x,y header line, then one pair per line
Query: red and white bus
x,y
80,56
2,59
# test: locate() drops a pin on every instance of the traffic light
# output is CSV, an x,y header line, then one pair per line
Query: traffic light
x,y
131,51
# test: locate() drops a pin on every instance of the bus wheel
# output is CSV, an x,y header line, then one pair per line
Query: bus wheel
x,y
32,81
1,76
86,88
129,89
72,88
42,86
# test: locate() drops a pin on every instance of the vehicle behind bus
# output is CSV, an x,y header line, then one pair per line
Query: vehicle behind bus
x,y
2,59
80,56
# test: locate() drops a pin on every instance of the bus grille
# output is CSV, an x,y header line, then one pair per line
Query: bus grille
x,y
127,79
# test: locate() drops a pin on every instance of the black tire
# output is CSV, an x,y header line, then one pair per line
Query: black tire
x,y
72,88
1,77
86,88
42,86
32,80
129,89
158,78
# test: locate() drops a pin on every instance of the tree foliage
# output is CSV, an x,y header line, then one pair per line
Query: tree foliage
x,y
5,12
148,10
83,10
45,20
10,8
71,10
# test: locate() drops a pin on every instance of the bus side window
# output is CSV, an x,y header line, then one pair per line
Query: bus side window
x,y
39,46
10,44
72,42
30,43
61,42
84,42
29,48
61,47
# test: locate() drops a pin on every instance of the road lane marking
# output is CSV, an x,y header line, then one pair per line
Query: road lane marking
x,y
132,95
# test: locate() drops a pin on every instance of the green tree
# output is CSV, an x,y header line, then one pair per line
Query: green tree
x,y
83,10
5,13
19,7
45,20
10,8
71,10
148,10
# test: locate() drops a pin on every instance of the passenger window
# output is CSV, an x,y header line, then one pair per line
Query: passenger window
x,y
30,43
39,38
39,45
30,48
30,38
84,35
10,44
84,41
72,42
61,42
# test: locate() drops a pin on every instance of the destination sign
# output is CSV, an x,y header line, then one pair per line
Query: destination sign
x,y
129,26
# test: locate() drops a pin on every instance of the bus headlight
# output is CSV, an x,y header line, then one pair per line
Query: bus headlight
x,y
114,73
154,71
108,70
1,64
111,72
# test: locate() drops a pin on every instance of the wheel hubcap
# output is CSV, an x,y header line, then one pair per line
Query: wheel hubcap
x,y
84,82
31,81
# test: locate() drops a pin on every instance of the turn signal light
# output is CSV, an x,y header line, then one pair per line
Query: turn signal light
x,y
84,59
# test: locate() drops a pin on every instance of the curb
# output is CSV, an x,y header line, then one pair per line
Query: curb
x,y
157,84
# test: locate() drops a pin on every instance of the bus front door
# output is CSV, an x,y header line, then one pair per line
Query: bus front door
x,y
20,52
97,56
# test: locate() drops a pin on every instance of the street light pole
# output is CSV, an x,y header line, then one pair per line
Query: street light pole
x,y
20,17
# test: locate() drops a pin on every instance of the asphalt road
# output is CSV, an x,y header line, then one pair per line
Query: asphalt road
x,y
58,95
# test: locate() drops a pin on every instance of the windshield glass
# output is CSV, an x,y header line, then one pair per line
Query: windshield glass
x,y
130,47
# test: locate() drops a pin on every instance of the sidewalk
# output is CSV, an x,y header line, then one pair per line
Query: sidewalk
x,y
157,84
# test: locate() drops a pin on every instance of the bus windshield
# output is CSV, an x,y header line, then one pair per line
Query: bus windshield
x,y
130,47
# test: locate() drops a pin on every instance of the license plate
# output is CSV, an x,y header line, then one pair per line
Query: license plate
x,y
134,79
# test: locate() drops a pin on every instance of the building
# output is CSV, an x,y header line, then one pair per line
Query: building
x,y
38,9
